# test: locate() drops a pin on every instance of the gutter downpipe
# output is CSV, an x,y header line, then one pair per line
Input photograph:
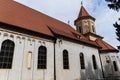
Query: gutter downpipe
x,y
54,61
101,66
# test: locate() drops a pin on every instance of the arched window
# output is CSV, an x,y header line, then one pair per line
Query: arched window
x,y
93,29
42,57
82,63
94,62
115,66
65,59
79,28
6,54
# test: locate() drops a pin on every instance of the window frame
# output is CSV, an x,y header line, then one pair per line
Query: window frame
x,y
65,59
42,58
7,54
93,28
82,61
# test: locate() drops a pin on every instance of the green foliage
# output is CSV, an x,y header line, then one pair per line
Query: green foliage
x,y
114,4
117,27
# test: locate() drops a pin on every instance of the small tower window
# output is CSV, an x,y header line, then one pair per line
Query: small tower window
x,y
79,29
93,29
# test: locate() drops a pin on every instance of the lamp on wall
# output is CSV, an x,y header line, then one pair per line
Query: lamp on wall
x,y
60,41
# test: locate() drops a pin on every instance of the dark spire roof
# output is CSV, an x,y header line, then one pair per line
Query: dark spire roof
x,y
83,12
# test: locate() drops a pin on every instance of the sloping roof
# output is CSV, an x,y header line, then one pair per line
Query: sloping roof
x,y
16,14
105,47
83,12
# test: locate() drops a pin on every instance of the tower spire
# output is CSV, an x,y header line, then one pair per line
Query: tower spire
x,y
85,22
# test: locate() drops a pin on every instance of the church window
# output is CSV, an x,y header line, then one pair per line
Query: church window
x,y
82,62
6,54
42,57
80,29
93,29
115,66
65,59
94,62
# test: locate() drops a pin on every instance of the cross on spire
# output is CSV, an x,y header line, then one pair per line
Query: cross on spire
x,y
82,3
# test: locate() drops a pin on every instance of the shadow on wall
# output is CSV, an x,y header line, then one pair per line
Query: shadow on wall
x,y
110,73
90,73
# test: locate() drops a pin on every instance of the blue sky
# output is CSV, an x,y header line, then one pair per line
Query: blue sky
x,y
65,10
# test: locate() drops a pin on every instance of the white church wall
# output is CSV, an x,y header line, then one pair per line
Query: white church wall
x,y
26,43
75,72
45,74
107,63
23,44
3,72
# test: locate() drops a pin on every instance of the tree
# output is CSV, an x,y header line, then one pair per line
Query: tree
x,y
115,5
117,26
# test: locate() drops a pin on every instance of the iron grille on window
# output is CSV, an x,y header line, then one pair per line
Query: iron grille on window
x,y
42,57
6,54
65,60
82,63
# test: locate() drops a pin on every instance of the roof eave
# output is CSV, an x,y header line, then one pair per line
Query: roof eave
x,y
86,43
90,33
19,29
104,51
84,17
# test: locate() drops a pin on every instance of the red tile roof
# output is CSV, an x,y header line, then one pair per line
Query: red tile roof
x,y
21,16
105,46
72,36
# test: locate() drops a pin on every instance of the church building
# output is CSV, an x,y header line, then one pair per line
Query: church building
x,y
35,46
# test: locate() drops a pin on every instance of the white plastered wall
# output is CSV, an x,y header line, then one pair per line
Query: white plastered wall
x,y
23,44
75,72
108,67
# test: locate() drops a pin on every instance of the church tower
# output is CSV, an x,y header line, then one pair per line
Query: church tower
x,y
85,22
